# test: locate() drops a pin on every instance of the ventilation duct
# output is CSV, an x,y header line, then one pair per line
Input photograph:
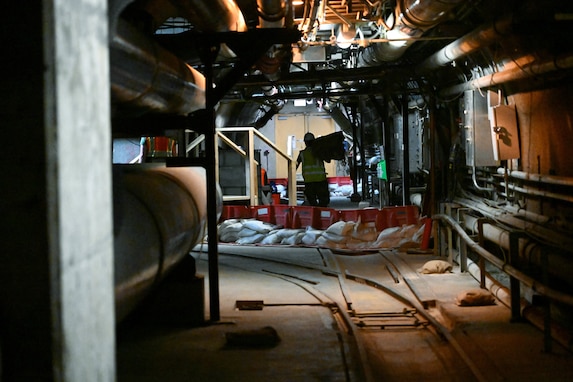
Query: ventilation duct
x,y
410,20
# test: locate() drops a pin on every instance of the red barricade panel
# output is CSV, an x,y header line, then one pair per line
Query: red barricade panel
x,y
283,215
325,217
235,212
303,216
401,215
263,213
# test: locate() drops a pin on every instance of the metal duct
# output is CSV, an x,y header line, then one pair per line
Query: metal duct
x,y
212,15
145,76
472,42
159,215
410,20
514,73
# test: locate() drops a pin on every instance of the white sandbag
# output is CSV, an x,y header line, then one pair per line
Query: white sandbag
x,y
287,232
251,239
245,232
388,232
417,237
340,228
258,226
229,237
293,240
325,243
365,232
311,235
435,266
272,238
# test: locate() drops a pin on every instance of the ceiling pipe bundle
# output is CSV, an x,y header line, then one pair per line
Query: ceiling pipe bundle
x,y
411,19
513,73
474,41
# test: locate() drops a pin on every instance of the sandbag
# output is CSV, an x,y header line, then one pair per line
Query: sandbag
x,y
340,228
436,266
475,297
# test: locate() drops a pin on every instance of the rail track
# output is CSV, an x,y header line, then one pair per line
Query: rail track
x,y
385,331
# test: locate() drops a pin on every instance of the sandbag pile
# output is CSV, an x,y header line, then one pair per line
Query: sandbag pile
x,y
340,235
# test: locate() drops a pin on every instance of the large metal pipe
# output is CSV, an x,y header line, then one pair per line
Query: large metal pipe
x,y
475,40
540,178
410,20
145,76
529,251
159,215
513,73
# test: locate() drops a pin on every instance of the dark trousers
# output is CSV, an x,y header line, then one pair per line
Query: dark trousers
x,y
317,193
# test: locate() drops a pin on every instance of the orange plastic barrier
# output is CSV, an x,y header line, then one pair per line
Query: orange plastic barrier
x,y
325,217
283,215
401,215
235,212
321,218
303,216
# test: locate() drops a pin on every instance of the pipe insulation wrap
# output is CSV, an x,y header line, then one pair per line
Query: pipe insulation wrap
x,y
148,77
159,215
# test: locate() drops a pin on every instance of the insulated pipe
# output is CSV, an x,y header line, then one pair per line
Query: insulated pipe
x,y
145,76
514,73
510,270
412,19
527,248
548,179
159,216
471,42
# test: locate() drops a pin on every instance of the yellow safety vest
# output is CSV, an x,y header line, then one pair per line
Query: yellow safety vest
x,y
312,167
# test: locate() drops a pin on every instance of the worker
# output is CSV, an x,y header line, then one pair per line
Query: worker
x,y
314,175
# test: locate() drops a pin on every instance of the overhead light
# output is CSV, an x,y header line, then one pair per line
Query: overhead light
x,y
345,36
399,38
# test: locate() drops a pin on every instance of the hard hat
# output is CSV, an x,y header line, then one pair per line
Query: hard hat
x,y
309,137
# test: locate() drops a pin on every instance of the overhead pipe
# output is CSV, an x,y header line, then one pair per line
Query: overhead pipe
x,y
514,73
479,38
411,19
274,14
144,76
212,15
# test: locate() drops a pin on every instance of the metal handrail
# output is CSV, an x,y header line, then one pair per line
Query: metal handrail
x,y
220,132
507,268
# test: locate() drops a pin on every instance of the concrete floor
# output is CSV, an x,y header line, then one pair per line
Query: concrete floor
x,y
312,347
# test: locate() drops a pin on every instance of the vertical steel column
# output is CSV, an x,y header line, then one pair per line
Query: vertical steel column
x,y
514,285
462,246
547,344
432,166
481,261
449,235
211,175
405,153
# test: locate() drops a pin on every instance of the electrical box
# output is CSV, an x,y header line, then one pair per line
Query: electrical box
x,y
477,131
504,132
